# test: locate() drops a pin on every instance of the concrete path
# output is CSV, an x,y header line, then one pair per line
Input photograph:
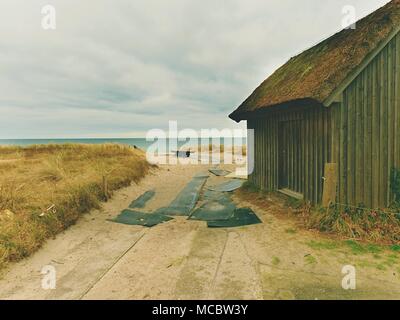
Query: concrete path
x,y
183,259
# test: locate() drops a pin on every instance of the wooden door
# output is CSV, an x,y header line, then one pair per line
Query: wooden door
x,y
290,155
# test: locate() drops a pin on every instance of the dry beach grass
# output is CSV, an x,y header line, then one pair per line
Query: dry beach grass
x,y
371,225
45,188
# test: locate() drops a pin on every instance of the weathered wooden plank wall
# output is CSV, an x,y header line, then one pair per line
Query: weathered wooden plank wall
x,y
308,140
368,123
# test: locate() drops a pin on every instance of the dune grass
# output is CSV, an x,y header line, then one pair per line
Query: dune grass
x,y
45,188
378,226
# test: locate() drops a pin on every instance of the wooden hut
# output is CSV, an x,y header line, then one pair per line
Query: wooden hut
x,y
332,113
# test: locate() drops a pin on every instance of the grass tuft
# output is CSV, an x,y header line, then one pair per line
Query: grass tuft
x,y
276,261
291,231
395,247
318,245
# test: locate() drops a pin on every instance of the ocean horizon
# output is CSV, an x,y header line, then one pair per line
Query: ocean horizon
x,y
141,143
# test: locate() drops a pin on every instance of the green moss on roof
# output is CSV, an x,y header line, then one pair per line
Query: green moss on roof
x,y
317,72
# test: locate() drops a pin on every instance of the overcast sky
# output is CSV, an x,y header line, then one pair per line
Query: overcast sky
x,y
117,68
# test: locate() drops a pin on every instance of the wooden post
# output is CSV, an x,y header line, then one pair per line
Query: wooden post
x,y
330,184
105,188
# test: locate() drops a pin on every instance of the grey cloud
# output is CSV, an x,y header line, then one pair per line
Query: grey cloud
x,y
123,67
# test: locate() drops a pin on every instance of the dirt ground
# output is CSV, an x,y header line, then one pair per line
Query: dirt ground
x,y
183,259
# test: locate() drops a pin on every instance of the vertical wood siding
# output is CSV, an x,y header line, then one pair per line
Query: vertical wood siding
x,y
306,133
368,123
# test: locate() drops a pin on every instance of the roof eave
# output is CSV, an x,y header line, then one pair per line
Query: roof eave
x,y
235,116
239,115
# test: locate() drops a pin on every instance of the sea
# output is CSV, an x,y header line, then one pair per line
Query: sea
x,y
141,143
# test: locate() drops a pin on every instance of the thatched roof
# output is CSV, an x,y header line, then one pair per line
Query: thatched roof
x,y
314,74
